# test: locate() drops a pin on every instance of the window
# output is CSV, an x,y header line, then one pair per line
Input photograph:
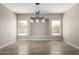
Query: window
x,y
22,27
56,27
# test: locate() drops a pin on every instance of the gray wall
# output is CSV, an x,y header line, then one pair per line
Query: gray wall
x,y
7,26
71,26
39,29
47,32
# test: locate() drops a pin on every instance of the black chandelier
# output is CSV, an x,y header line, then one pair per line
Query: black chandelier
x,y
37,17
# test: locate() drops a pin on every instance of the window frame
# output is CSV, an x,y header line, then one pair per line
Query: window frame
x,y
18,28
60,28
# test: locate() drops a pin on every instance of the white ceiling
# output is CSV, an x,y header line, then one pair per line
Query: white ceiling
x,y
45,8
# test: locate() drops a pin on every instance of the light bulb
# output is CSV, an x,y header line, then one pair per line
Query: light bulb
x,y
31,21
37,20
43,20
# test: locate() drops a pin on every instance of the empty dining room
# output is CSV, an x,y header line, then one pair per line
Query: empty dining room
x,y
39,28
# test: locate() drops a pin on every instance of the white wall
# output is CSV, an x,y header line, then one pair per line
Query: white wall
x,y
50,16
71,26
7,26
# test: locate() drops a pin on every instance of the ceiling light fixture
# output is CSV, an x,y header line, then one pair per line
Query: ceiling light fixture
x,y
37,17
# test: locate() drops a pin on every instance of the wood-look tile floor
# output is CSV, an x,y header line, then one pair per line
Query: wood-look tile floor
x,y
23,47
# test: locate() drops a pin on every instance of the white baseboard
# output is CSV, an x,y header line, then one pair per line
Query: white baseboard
x,y
75,46
34,39
7,44
38,39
